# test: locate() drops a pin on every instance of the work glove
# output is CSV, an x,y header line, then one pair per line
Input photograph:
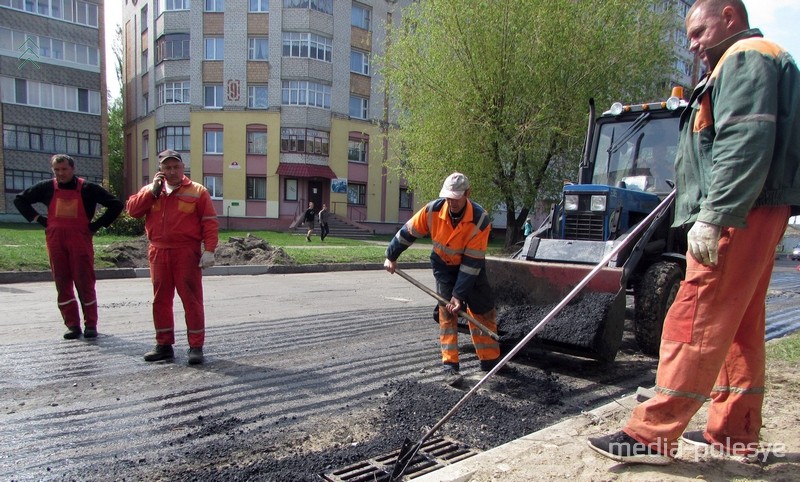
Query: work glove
x,y
206,260
94,226
703,241
42,220
158,185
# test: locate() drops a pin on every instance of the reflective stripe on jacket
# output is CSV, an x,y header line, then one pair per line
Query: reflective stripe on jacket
x,y
740,135
462,248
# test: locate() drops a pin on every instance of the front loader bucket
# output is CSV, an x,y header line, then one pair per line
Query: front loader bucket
x,y
590,326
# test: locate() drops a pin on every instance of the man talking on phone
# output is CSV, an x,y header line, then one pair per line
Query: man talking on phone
x,y
183,231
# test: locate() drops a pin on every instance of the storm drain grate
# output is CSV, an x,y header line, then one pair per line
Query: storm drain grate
x,y
434,454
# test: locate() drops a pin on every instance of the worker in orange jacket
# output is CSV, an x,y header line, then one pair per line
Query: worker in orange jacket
x,y
183,231
459,229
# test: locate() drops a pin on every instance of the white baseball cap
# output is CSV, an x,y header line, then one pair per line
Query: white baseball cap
x,y
455,186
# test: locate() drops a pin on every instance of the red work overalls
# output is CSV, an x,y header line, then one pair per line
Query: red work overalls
x,y
69,245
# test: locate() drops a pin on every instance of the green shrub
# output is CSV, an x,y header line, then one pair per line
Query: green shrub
x,y
125,225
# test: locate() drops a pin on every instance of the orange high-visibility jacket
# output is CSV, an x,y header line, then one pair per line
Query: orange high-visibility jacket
x,y
462,248
182,219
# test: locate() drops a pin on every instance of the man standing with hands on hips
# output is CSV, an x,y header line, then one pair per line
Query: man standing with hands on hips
x,y
183,231
738,181
71,203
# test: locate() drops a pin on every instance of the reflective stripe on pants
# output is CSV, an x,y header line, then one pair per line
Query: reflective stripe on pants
x,y
713,341
176,270
485,347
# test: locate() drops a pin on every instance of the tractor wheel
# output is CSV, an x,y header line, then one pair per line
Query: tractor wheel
x,y
653,296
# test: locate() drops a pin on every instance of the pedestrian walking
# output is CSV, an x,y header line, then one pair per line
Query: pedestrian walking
x,y
308,219
183,231
71,203
323,222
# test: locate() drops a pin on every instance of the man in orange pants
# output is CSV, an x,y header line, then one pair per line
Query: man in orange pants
x,y
738,181
459,229
71,203
183,231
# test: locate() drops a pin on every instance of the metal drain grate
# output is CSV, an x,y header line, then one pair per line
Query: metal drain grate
x,y
434,454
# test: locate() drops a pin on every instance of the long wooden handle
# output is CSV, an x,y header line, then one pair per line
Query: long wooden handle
x,y
438,297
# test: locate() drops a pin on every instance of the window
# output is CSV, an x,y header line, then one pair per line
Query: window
x,y
173,93
145,145
143,19
214,186
146,102
256,188
172,47
212,142
360,16
257,97
215,48
17,180
357,150
145,54
359,62
259,6
359,107
324,6
45,139
215,6
301,92
290,189
257,142
212,96
257,48
307,45
41,94
176,5
357,194
406,200
309,141
173,137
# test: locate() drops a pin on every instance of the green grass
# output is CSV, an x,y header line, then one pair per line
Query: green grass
x,y
22,247
784,349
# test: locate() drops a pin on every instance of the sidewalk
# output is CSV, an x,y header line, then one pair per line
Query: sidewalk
x,y
560,452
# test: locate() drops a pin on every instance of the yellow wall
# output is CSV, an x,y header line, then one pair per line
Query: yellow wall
x,y
234,182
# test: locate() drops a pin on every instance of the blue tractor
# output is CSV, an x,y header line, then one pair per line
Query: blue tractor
x,y
626,170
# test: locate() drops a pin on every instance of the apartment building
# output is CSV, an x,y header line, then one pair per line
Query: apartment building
x,y
272,104
52,92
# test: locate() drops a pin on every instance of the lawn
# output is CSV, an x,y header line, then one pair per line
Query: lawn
x,y
22,247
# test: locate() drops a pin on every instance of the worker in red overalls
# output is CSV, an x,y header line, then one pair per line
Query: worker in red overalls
x,y
183,231
71,204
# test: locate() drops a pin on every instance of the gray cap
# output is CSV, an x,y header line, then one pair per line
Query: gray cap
x,y
455,186
169,154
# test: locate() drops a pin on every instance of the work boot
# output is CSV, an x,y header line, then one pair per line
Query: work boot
x,y
160,352
195,355
698,439
72,333
90,332
622,447
451,375
308,238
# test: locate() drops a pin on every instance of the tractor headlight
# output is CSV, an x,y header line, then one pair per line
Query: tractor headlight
x,y
616,108
570,202
598,203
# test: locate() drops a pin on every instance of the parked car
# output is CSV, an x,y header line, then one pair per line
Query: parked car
x,y
796,253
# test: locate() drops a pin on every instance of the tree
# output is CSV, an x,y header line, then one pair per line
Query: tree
x,y
498,89
115,125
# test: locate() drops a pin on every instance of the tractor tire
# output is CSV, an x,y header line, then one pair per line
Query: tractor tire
x,y
653,295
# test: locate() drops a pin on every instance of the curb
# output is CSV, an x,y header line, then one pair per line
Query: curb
x,y
9,277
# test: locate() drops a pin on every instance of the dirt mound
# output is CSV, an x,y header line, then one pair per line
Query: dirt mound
x,y
250,250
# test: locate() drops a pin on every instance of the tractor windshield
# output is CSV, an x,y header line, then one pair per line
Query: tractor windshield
x,y
637,153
